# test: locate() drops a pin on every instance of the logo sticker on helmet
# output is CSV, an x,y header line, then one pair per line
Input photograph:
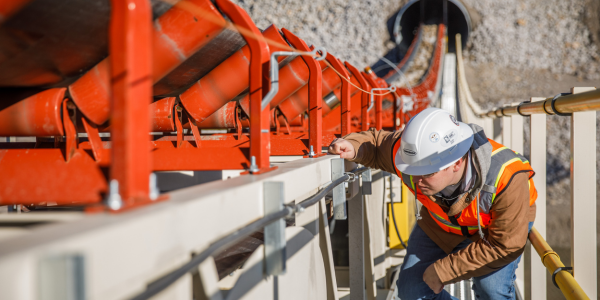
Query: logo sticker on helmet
x,y
409,152
453,120
434,137
449,137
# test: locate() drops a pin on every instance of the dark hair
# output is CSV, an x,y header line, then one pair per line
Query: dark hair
x,y
466,155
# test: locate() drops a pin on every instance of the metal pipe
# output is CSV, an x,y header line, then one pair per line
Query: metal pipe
x,y
565,281
274,74
176,35
293,79
586,101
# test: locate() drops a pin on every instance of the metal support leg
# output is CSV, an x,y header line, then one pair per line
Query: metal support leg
x,y
339,192
131,78
274,232
538,163
367,183
356,244
369,266
583,199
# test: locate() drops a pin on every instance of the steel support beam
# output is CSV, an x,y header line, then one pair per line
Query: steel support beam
x,y
131,77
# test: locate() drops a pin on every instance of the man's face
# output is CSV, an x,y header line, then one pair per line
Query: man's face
x,y
432,184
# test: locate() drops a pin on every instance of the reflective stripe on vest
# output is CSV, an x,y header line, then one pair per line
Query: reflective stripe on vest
x,y
505,163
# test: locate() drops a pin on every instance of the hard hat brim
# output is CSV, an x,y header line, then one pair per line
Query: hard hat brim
x,y
454,154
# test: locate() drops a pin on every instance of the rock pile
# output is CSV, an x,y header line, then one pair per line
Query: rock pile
x,y
534,34
354,31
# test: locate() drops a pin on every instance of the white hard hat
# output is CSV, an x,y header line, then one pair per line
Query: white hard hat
x,y
432,141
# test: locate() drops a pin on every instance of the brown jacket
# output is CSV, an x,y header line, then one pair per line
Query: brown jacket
x,y
505,236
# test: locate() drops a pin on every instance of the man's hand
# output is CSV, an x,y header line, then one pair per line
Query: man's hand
x,y
343,148
433,280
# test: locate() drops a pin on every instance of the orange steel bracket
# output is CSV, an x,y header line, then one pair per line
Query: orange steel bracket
x,y
94,139
195,130
68,112
345,93
238,123
378,101
315,102
130,49
178,114
260,146
365,96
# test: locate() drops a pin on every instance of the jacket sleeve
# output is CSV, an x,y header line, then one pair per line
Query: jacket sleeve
x,y
503,243
373,148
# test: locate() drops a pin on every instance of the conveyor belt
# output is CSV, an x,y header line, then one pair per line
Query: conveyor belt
x,y
50,43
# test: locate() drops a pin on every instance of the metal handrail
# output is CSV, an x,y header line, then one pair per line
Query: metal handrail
x,y
586,101
565,281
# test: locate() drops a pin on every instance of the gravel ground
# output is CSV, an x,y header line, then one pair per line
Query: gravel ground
x,y
534,34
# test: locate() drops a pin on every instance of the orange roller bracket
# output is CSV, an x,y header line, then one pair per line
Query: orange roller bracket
x,y
176,35
38,115
226,81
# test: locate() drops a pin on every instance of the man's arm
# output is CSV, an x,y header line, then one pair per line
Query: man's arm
x,y
505,241
372,148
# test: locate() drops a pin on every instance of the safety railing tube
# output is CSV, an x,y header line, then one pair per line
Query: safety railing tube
x,y
560,276
560,104
274,72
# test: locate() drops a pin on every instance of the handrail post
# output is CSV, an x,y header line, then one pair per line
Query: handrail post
x,y
583,198
488,127
515,142
506,131
537,144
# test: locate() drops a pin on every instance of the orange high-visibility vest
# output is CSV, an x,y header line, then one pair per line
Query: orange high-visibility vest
x,y
505,163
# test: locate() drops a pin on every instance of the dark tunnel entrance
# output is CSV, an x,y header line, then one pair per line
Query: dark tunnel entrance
x,y
403,26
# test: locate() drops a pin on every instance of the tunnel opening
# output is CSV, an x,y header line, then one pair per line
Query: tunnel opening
x,y
404,27
407,21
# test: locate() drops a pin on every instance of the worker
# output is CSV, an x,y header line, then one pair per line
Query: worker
x,y
477,196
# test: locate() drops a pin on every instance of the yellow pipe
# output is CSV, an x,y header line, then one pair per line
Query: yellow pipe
x,y
565,281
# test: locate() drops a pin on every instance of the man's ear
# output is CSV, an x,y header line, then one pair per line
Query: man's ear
x,y
456,166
